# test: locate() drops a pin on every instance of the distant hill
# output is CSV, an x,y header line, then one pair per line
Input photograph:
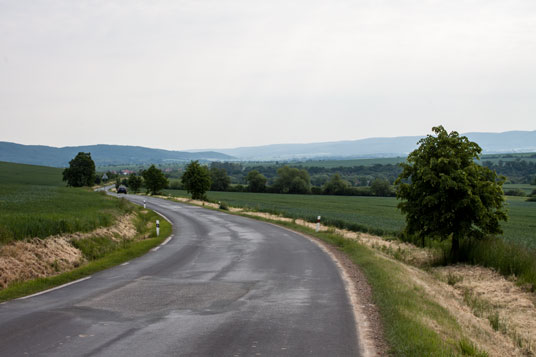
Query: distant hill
x,y
102,155
507,142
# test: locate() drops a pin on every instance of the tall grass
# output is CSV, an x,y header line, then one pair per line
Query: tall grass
x,y
507,258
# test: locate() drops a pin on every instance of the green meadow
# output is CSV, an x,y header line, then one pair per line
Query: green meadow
x,y
34,202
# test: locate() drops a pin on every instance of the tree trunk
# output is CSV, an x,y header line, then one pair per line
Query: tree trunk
x,y
455,248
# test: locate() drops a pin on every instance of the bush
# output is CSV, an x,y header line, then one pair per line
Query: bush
x,y
315,190
176,185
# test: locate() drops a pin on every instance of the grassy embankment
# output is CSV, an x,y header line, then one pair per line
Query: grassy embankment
x,y
35,203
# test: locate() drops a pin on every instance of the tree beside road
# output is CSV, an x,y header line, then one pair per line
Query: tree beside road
x,y
154,180
196,180
445,194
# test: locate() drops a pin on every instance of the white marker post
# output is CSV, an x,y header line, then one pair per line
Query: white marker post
x,y
144,204
318,224
157,227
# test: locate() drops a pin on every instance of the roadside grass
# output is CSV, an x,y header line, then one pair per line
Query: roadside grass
x,y
98,258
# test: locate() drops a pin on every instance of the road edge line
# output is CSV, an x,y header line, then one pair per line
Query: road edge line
x,y
55,288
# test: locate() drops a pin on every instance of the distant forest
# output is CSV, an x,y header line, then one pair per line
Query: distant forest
x,y
516,171
326,178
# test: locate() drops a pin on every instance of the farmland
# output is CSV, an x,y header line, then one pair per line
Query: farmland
x,y
35,203
373,214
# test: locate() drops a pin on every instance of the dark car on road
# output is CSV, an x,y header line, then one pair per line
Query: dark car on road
x,y
122,189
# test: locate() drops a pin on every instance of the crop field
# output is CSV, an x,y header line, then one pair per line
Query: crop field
x,y
521,225
370,214
35,203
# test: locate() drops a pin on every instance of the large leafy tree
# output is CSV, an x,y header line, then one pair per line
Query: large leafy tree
x,y
256,181
196,180
293,180
445,194
336,185
81,171
380,187
220,181
154,179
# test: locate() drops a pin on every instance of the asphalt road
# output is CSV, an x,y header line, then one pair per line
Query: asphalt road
x,y
222,286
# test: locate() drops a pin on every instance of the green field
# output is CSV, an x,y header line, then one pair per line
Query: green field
x,y
34,202
374,214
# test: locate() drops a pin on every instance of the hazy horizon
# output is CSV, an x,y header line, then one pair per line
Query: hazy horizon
x,y
210,75
237,147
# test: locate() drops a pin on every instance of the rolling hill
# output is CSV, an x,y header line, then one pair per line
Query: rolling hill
x,y
102,155
507,142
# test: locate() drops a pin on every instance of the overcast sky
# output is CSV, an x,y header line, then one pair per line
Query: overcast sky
x,y
218,74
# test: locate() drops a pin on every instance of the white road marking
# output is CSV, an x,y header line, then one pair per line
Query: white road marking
x,y
167,240
167,219
125,264
56,288
162,244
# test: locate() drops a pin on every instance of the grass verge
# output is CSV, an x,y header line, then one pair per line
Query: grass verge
x,y
101,260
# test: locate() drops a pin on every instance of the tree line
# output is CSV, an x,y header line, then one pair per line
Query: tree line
x,y
287,180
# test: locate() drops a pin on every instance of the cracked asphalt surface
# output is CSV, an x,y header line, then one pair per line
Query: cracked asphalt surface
x,y
224,285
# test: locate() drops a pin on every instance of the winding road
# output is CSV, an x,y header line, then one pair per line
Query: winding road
x,y
223,285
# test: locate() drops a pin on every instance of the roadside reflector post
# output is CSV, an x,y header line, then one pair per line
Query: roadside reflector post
x,y
144,204
157,227
318,224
